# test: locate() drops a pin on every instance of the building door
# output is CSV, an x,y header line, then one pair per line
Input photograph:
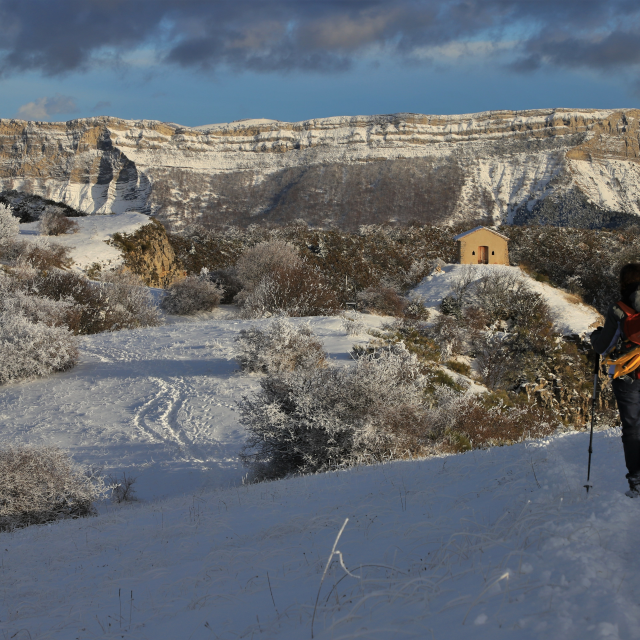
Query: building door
x,y
483,255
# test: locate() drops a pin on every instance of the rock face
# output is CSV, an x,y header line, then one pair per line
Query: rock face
x,y
345,170
148,253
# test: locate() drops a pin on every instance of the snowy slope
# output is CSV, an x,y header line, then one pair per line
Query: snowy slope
x,y
569,315
490,544
88,244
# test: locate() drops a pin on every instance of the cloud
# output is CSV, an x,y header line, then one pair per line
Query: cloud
x,y
44,108
325,36
103,104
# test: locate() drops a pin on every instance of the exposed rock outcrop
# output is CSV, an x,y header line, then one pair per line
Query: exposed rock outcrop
x,y
345,170
148,253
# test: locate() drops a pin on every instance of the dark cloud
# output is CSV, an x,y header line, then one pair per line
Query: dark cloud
x,y
318,35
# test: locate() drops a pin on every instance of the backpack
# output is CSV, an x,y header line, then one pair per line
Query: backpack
x,y
625,357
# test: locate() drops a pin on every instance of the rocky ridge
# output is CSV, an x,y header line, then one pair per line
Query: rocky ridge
x,y
345,171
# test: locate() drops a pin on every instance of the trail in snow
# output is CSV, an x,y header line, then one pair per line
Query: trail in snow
x,y
158,403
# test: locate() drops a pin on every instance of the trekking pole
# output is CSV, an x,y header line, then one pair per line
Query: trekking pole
x,y
596,371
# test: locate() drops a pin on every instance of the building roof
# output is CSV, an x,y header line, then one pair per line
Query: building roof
x,y
466,233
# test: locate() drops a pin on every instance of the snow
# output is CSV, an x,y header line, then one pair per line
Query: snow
x,y
503,542
89,245
497,543
159,403
570,316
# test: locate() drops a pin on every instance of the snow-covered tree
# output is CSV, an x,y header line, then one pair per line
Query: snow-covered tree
x,y
9,225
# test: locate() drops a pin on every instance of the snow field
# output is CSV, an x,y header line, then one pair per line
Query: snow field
x,y
497,543
88,244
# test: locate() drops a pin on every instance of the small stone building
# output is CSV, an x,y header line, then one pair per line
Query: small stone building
x,y
482,246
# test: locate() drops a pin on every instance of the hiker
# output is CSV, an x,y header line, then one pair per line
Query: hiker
x,y
626,388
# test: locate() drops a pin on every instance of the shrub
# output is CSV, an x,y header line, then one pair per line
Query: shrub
x,y
415,309
261,261
118,301
382,300
9,225
459,367
295,291
449,334
228,281
191,295
281,347
128,303
466,421
122,488
320,419
31,348
41,254
495,360
42,485
352,324
55,223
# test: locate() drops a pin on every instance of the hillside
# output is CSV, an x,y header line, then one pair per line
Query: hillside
x,y
491,542
559,166
497,543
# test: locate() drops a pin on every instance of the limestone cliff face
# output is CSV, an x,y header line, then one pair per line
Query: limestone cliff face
x,y
148,253
344,170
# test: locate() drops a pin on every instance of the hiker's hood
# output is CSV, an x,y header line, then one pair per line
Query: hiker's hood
x,y
631,296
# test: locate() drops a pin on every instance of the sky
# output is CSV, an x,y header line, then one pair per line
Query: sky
x,y
196,62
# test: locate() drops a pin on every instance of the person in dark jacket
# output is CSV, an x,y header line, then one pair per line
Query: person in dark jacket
x,y
626,388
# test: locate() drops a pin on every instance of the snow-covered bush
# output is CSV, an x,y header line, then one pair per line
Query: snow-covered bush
x,y
122,489
352,324
449,334
295,291
30,342
325,418
416,309
259,262
228,281
54,223
42,485
39,253
191,295
283,346
382,300
9,225
495,360
128,303
118,301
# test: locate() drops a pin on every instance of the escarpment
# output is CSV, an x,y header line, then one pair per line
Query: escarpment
x,y
343,171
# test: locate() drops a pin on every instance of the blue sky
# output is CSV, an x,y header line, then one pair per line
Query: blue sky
x,y
205,61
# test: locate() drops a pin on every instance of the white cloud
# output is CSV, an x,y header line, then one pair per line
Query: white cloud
x,y
44,108
458,50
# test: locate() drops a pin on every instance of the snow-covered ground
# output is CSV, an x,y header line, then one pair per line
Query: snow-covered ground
x,y
569,315
89,245
489,544
498,543
159,403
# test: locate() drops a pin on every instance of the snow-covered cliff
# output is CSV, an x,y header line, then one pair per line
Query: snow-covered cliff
x,y
345,170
